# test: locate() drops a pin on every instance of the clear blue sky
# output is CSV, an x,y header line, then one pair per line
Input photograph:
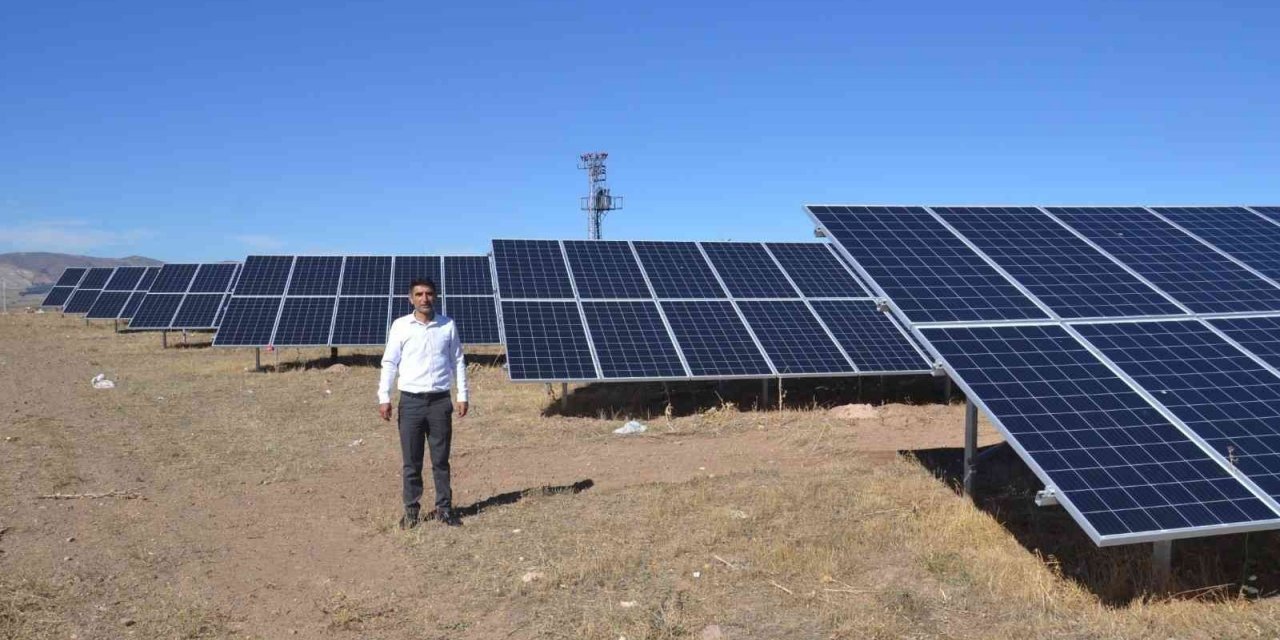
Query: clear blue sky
x,y
210,132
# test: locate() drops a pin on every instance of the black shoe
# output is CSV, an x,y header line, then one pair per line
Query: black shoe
x,y
410,520
449,517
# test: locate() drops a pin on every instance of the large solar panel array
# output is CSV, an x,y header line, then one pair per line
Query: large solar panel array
x,y
88,290
186,296
352,300
123,293
579,310
64,287
1134,370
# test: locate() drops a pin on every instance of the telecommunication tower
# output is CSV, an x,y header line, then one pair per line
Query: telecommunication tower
x,y
598,201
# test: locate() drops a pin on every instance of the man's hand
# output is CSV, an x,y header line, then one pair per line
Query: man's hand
x,y
384,410
462,409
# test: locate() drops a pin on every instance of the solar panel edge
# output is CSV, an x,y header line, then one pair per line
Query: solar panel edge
x,y
1213,247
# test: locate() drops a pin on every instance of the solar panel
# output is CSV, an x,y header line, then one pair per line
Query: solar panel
x,y
604,270
362,320
1063,271
124,279
410,268
264,276
870,338
1223,395
467,276
795,341
531,269
70,277
1270,212
546,341
1125,471
84,295
315,276
96,278
1192,273
1261,336
248,321
713,338
108,304
131,307
81,301
928,273
631,340
477,319
367,276
678,270
57,296
1246,236
748,271
148,277
816,271
185,297
305,321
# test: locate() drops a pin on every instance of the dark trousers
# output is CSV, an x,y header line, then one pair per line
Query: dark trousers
x,y
426,419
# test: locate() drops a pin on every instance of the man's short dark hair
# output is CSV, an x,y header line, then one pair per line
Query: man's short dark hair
x,y
423,282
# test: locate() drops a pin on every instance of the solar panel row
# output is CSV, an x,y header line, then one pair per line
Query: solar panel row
x,y
185,296
352,300
613,310
1147,422
123,293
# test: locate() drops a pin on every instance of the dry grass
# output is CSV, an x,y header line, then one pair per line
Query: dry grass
x,y
269,503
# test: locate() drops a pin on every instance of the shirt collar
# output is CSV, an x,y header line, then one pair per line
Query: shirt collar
x,y
435,319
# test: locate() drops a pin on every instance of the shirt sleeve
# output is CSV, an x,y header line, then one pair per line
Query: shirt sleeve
x,y
390,366
460,363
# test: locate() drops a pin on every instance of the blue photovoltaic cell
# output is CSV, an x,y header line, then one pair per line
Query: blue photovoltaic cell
x,y
70,277
477,319
108,305
1261,336
367,276
1063,271
263,276
712,338
197,311
410,268
131,307
1197,276
148,277
361,321
174,278
247,321
81,301
793,338
531,269
631,341
748,271
400,306
816,271
315,276
305,321
1248,237
156,311
1270,212
869,336
924,268
213,278
57,296
1223,395
467,276
96,278
546,341
1109,453
604,269
125,279
678,270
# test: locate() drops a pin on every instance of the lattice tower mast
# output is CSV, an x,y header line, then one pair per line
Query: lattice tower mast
x,y
598,200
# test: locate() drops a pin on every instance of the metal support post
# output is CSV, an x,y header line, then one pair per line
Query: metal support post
x,y
333,354
564,396
970,445
780,394
1161,561
164,339
184,337
764,394
115,325
257,359
947,392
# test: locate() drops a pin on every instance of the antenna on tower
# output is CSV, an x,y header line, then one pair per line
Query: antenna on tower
x,y
598,200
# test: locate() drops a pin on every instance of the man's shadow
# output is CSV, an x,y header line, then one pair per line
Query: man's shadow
x,y
512,497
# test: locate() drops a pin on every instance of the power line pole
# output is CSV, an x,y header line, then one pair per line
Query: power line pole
x,y
598,200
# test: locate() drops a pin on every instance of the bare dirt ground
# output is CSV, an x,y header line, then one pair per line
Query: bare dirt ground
x,y
203,500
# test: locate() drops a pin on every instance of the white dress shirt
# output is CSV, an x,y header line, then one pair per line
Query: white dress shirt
x,y
427,355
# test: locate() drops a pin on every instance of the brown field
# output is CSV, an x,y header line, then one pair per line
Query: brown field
x,y
233,504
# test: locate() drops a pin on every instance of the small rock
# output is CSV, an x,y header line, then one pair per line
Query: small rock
x,y
627,604
356,443
66,558
532,575
127,622
71,539
712,632
738,514
515,531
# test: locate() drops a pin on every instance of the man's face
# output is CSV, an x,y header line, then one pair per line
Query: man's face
x,y
423,299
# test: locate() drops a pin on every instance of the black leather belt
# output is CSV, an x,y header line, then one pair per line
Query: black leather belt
x,y
428,395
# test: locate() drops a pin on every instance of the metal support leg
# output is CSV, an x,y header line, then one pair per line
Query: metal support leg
x,y
164,339
764,394
947,393
184,337
257,359
115,325
564,396
1161,561
970,446
780,394
333,354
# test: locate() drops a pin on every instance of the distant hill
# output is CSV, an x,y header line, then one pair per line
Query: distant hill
x,y
22,270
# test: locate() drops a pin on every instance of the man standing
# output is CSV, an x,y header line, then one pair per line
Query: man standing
x,y
424,348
